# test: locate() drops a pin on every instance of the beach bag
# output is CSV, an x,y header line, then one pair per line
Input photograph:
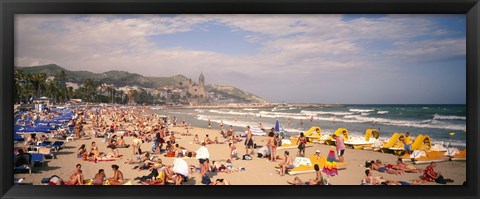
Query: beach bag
x,y
206,180
170,154
440,180
247,157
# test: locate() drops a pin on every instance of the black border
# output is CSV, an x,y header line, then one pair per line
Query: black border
x,y
10,7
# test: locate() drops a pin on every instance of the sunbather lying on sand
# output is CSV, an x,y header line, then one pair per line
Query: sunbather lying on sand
x,y
406,168
379,180
378,166
317,181
225,168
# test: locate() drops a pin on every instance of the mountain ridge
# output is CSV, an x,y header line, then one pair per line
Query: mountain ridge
x,y
123,78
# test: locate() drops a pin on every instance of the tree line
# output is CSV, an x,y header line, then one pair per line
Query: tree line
x,y
36,85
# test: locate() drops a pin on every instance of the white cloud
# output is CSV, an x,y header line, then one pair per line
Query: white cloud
x,y
294,47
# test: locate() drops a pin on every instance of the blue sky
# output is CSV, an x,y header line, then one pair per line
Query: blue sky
x,y
353,59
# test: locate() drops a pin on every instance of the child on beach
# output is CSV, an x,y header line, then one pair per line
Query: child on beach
x,y
196,139
233,150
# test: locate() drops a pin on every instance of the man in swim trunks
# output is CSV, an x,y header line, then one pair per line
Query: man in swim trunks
x,y
287,164
249,141
407,141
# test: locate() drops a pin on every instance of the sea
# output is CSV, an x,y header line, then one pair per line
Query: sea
x,y
437,121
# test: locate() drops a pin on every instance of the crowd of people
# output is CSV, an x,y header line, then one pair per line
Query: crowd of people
x,y
109,123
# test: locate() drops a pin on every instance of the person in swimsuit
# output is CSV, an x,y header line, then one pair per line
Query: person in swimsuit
x,y
99,178
406,168
117,178
272,145
196,140
317,181
249,141
114,153
378,166
301,142
207,140
76,178
287,164
82,150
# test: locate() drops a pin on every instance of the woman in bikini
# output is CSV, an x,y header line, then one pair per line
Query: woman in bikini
x,y
81,151
117,178
76,178
99,178
271,143
301,142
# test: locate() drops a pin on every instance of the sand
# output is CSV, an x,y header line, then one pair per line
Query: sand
x,y
258,171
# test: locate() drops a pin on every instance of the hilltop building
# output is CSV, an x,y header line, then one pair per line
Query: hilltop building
x,y
198,93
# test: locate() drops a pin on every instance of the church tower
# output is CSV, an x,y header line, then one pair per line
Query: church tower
x,y
201,80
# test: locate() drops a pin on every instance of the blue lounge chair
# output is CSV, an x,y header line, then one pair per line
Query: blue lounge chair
x,y
38,158
57,145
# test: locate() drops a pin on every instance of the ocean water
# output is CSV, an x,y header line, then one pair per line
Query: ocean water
x,y
437,121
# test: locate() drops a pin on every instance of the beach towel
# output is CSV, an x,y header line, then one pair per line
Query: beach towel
x,y
108,160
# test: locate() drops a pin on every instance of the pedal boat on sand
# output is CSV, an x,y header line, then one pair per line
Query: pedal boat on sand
x,y
361,142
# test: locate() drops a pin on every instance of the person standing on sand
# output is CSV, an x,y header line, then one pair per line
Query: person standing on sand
x,y
407,141
249,141
272,145
301,142
157,141
340,146
136,143
202,156
174,121
287,164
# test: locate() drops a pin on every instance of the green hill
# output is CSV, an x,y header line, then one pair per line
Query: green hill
x,y
123,78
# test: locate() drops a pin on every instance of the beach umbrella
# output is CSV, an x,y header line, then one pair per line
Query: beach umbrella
x,y
277,126
330,168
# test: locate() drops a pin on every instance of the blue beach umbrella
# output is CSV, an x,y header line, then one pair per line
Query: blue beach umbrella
x,y
277,126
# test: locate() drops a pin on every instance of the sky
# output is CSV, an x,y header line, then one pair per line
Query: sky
x,y
345,59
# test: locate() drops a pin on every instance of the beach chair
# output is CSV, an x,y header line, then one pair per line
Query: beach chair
x,y
57,145
38,158
70,137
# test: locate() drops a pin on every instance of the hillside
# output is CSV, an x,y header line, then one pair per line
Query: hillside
x,y
235,93
123,78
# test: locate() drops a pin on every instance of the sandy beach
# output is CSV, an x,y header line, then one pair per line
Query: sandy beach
x,y
258,171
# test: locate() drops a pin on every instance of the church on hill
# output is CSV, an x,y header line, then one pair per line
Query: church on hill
x,y
197,91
